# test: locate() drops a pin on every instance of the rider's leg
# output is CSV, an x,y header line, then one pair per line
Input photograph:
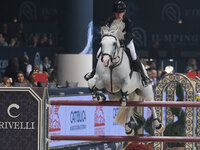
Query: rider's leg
x,y
145,80
91,74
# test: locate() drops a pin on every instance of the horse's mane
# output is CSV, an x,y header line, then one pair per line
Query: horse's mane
x,y
116,29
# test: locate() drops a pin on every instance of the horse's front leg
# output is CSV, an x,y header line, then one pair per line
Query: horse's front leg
x,y
91,85
94,85
125,92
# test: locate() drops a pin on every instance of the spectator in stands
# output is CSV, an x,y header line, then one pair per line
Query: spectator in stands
x,y
21,79
12,68
21,35
13,42
7,82
50,42
34,42
2,40
24,65
53,76
44,41
153,65
31,79
192,65
5,32
45,66
153,76
159,74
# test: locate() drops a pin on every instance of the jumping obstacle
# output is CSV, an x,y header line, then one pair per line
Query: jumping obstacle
x,y
132,103
168,83
126,138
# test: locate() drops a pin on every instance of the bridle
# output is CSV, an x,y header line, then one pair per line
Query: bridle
x,y
115,55
113,58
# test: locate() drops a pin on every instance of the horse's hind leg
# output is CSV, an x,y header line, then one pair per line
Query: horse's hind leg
x,y
147,94
131,122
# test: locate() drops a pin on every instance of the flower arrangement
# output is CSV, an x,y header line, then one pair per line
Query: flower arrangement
x,y
137,146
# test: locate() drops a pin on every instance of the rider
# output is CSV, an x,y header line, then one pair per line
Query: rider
x,y
119,10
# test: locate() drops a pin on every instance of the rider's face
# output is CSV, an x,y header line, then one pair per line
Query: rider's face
x,y
119,15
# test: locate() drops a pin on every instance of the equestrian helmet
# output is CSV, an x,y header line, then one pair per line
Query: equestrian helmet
x,y
119,7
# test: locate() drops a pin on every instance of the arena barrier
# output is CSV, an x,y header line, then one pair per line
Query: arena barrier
x,y
126,138
168,83
116,103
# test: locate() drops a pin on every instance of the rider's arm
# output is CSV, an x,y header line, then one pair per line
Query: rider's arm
x,y
129,31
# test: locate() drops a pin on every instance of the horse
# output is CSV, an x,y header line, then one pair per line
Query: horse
x,y
113,72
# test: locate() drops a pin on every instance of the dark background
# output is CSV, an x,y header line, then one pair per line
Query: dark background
x,y
67,23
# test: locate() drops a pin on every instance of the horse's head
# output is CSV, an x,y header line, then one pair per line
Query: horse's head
x,y
110,44
109,48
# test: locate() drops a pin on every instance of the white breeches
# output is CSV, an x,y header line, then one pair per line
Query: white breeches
x,y
132,50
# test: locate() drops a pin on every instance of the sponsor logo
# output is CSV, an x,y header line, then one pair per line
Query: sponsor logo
x,y
16,125
99,121
54,119
28,11
77,118
140,37
16,106
171,12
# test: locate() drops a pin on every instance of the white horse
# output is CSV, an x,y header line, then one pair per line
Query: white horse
x,y
114,74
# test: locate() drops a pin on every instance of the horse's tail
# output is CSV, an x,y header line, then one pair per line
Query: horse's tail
x,y
121,116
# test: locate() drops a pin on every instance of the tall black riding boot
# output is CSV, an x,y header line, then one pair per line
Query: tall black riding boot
x,y
90,75
145,80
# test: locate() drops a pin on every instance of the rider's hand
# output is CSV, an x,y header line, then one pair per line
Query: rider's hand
x,y
122,43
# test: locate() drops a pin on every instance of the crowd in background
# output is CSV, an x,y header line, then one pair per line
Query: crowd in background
x,y
20,72
155,73
20,38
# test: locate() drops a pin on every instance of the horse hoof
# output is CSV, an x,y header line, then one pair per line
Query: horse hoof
x,y
123,101
160,128
95,98
130,132
101,97
131,124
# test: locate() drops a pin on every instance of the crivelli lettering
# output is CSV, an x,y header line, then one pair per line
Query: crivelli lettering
x,y
17,125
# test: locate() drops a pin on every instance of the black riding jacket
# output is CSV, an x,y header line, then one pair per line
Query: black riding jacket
x,y
128,28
